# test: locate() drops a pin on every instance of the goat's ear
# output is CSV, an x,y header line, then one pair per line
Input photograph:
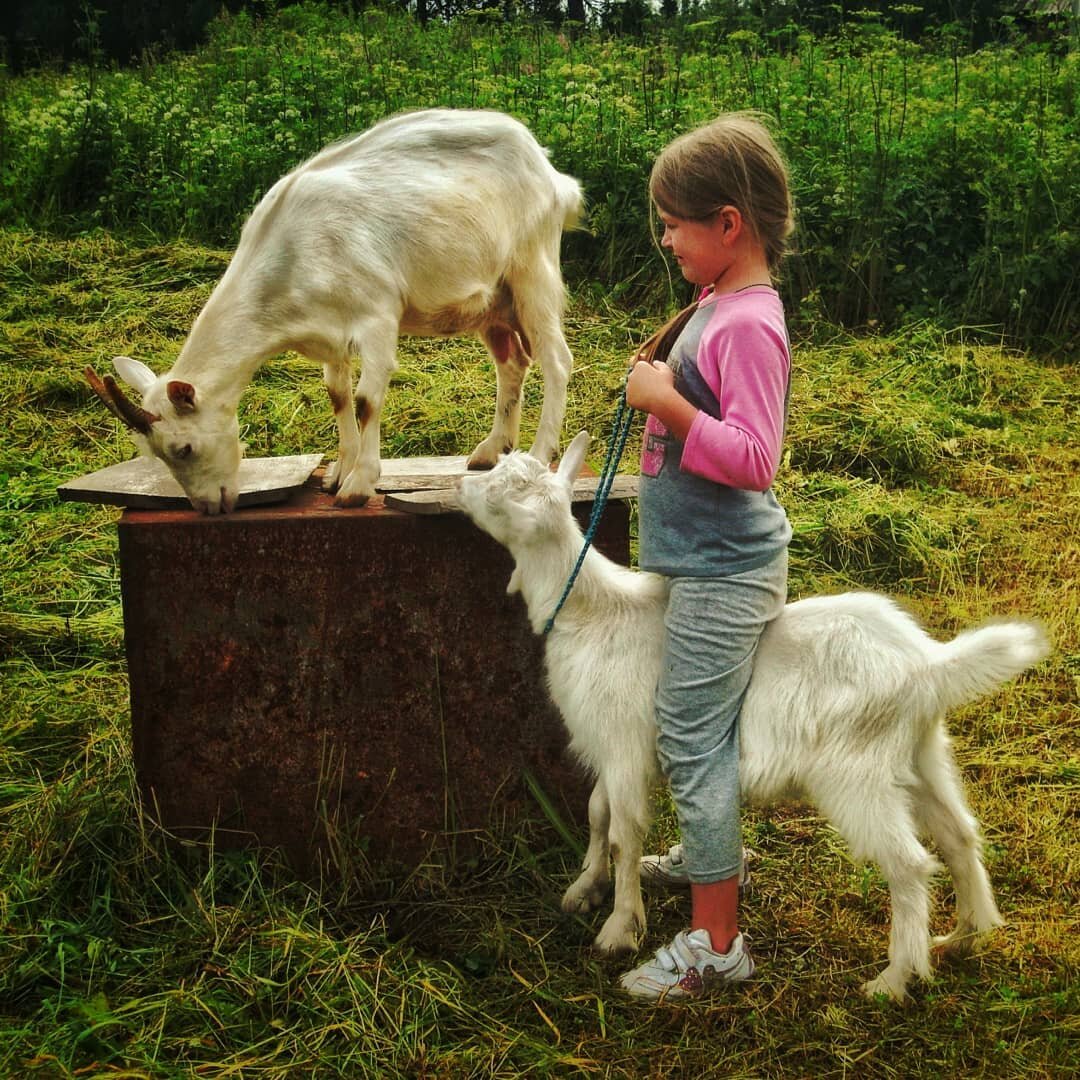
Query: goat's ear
x,y
182,395
135,373
574,458
514,584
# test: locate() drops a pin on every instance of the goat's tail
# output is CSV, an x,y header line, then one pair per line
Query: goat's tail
x,y
570,200
978,661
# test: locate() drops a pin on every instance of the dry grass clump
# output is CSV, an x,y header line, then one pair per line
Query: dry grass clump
x,y
939,466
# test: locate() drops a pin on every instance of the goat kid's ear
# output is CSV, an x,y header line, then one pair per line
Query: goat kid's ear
x,y
135,373
574,458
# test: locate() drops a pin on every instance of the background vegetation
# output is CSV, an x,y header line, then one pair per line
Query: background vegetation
x,y
934,458
931,180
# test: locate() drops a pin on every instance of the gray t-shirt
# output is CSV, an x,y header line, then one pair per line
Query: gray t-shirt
x,y
733,352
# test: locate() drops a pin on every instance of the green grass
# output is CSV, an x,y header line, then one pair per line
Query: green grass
x,y
935,463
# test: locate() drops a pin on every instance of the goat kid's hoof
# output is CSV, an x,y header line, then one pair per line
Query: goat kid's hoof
x,y
957,944
883,987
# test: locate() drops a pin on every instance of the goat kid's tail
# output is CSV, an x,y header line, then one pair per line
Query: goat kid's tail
x,y
977,662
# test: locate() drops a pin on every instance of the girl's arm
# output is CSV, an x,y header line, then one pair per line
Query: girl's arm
x,y
747,371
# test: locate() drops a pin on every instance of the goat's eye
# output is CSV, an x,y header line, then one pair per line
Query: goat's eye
x,y
182,452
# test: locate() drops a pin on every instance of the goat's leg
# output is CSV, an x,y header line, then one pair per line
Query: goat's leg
x,y
590,889
624,927
540,303
941,804
379,359
511,366
875,818
337,377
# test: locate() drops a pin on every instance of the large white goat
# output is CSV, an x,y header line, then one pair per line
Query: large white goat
x,y
845,710
438,222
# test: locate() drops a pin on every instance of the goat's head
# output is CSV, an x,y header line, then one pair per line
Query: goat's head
x,y
521,499
198,441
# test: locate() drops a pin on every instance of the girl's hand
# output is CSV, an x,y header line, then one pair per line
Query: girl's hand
x,y
651,388
648,384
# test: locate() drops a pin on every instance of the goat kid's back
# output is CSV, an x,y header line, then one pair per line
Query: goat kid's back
x,y
854,677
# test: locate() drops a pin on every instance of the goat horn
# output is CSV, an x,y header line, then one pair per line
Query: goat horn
x,y
134,416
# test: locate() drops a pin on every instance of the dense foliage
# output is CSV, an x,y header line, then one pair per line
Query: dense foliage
x,y
930,180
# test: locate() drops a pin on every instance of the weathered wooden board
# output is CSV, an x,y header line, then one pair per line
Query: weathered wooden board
x,y
144,483
444,500
418,485
420,473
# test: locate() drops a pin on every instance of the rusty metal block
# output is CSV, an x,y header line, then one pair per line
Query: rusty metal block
x,y
301,671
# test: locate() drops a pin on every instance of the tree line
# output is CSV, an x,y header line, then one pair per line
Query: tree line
x,y
34,33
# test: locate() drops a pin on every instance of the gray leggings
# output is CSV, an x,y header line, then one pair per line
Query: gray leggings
x,y
712,629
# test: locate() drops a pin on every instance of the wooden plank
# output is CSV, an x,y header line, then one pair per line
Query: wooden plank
x,y
419,485
145,483
444,500
420,473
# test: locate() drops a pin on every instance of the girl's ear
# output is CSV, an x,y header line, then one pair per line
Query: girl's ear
x,y
729,220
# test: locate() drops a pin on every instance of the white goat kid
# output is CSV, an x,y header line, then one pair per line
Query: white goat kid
x,y
438,222
845,710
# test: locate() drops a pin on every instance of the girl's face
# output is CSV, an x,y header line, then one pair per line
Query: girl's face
x,y
698,245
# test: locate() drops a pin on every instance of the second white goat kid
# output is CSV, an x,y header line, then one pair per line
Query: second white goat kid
x,y
845,710
438,222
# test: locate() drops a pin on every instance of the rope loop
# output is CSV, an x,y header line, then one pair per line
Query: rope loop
x,y
620,432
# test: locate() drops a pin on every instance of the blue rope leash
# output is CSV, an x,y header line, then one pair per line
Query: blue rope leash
x,y
624,417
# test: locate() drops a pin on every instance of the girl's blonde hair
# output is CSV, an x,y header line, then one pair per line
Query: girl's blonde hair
x,y
731,161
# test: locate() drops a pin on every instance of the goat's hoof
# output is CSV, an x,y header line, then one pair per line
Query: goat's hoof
x,y
480,463
883,986
619,942
353,501
579,901
486,455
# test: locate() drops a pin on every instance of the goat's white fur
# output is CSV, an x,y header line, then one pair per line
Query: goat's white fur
x,y
845,710
437,222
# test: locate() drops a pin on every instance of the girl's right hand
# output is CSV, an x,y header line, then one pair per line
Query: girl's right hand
x,y
648,383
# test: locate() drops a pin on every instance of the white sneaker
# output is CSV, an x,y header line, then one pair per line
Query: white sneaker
x,y
669,871
688,968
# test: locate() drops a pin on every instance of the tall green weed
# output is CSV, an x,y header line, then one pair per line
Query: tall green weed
x,y
929,181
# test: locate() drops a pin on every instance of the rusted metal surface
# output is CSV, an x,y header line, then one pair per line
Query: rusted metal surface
x,y
302,671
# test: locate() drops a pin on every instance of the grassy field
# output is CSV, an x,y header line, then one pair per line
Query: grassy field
x,y
936,463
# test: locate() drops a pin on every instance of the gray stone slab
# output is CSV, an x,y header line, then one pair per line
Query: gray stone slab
x,y
145,483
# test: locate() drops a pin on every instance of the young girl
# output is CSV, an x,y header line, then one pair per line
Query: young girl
x,y
714,382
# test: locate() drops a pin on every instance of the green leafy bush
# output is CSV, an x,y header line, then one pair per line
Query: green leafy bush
x,y
929,181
